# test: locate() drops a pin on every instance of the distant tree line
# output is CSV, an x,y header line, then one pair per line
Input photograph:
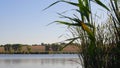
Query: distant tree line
x,y
12,48
19,48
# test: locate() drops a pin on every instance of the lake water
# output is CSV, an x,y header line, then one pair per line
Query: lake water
x,y
39,61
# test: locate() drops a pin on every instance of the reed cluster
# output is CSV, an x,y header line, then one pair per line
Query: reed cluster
x,y
99,44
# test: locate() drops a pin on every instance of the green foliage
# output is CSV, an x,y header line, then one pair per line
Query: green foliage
x,y
101,4
8,48
17,47
29,48
100,44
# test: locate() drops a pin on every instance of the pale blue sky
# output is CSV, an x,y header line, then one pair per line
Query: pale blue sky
x,y
23,21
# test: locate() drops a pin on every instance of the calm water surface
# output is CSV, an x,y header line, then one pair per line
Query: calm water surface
x,y
39,61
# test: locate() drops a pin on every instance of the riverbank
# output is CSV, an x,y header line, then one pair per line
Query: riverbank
x,y
37,49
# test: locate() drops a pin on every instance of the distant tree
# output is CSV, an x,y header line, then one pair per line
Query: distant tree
x,y
55,47
42,44
17,47
8,47
47,48
29,49
20,48
1,45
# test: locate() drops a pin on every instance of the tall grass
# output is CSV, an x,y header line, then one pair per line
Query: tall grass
x,y
115,16
100,45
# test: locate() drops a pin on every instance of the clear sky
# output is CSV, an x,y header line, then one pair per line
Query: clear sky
x,y
23,21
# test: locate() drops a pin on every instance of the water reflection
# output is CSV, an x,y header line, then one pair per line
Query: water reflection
x,y
42,61
39,63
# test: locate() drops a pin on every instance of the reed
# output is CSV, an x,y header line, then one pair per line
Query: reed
x,y
100,45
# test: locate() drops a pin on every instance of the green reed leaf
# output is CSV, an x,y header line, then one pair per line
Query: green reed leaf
x,y
101,4
68,23
72,40
51,5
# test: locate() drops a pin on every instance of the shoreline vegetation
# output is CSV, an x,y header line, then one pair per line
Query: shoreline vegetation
x,y
100,44
38,49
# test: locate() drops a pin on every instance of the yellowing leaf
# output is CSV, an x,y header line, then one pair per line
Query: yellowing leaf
x,y
88,30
